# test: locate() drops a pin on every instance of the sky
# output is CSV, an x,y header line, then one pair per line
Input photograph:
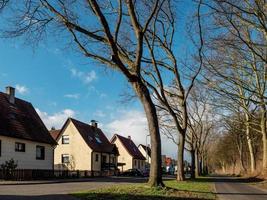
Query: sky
x,y
62,84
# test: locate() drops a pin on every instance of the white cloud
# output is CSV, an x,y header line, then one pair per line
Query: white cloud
x,y
72,96
21,89
86,77
57,119
134,123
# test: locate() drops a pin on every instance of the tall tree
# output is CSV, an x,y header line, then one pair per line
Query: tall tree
x,y
240,29
118,34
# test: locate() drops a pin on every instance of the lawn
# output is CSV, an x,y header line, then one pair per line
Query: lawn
x,y
173,191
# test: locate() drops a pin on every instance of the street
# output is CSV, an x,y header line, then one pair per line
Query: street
x,y
228,188
50,190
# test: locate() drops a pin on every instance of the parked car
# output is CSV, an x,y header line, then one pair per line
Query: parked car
x,y
132,172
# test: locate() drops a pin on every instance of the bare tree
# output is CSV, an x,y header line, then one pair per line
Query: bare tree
x,y
171,99
118,34
239,32
200,132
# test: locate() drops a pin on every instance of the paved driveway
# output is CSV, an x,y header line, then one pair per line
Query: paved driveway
x,y
57,190
235,189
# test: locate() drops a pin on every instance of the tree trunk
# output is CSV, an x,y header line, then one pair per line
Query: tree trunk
x,y
193,163
200,165
155,178
264,138
250,146
197,164
180,158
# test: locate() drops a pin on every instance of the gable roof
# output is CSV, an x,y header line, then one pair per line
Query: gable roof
x,y
129,146
20,120
146,148
55,134
94,137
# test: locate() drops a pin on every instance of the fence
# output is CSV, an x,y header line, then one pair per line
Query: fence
x,y
37,174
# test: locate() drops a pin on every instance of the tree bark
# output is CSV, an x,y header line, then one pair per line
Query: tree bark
x,y
180,158
264,138
197,164
250,146
193,163
155,178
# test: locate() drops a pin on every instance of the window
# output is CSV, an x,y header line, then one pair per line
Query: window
x,y
135,163
65,139
40,152
65,158
96,157
19,147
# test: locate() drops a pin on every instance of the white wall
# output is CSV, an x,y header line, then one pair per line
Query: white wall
x,y
27,159
79,151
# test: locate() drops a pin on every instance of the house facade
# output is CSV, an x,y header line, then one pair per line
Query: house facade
x,y
146,152
129,155
83,147
23,136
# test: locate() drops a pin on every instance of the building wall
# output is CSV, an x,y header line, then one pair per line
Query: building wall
x,y
79,151
27,159
97,164
142,150
139,164
124,156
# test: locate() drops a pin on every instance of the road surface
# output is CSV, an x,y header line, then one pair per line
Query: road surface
x,y
57,190
236,189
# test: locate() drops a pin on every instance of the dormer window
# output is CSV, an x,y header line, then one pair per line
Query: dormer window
x,y
65,139
98,140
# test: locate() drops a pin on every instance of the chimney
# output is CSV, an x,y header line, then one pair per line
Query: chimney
x,y
129,137
10,91
94,123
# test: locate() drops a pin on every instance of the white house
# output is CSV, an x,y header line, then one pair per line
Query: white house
x,y
23,135
146,152
129,155
83,146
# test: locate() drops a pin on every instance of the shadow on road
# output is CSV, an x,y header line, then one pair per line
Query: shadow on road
x,y
81,180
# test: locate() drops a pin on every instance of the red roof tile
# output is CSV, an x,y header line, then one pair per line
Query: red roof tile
x,y
54,134
129,146
20,120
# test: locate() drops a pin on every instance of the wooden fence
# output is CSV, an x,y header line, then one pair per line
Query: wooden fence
x,y
37,174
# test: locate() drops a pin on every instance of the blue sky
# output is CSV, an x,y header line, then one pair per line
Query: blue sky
x,y
61,83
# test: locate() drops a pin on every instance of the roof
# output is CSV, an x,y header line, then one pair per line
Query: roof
x,y
146,148
55,134
94,137
129,146
20,120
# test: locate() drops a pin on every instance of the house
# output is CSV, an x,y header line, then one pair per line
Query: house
x,y
23,135
146,152
130,157
83,146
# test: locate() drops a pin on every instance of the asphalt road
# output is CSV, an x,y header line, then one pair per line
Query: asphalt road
x,y
236,189
57,190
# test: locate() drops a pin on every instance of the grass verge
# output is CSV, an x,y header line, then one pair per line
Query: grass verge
x,y
173,191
